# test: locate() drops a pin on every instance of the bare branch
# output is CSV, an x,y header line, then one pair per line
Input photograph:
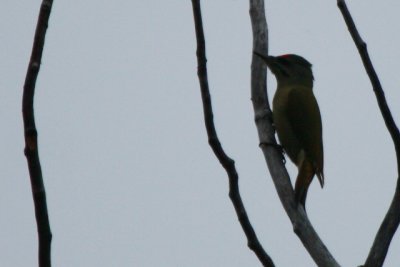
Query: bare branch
x,y
391,221
31,144
301,225
226,162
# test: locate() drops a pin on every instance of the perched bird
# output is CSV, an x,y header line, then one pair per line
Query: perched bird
x,y
297,119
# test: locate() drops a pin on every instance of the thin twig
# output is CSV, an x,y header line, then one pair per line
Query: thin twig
x,y
301,225
226,162
391,221
31,144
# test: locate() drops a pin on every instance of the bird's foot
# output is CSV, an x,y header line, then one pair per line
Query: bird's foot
x,y
277,146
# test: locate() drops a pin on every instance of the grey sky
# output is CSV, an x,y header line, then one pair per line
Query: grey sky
x,y
130,178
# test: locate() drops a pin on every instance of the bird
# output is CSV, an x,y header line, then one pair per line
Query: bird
x,y
297,119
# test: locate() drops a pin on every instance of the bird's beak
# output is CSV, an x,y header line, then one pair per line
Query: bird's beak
x,y
269,60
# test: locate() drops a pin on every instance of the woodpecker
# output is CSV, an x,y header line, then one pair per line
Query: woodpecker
x,y
297,119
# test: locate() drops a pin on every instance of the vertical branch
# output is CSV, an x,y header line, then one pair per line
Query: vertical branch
x,y
226,162
391,221
301,225
31,144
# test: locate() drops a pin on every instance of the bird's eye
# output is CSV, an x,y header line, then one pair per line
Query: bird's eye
x,y
284,66
284,61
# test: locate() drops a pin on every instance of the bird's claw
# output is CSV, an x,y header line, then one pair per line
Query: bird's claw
x,y
277,146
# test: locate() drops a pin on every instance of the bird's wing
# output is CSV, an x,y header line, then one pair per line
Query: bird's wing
x,y
305,120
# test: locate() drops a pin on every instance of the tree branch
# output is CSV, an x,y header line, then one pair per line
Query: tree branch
x,y
226,162
31,144
301,225
391,221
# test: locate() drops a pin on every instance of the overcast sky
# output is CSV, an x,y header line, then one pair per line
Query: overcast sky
x,y
130,178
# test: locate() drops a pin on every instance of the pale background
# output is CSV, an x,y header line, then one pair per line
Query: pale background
x,y
130,178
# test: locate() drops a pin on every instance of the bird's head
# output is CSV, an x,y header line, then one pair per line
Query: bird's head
x,y
289,68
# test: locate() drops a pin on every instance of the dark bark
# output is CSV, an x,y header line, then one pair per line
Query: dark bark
x,y
391,221
31,143
226,162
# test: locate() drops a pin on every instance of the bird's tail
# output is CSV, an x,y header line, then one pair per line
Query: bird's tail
x,y
321,178
303,181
